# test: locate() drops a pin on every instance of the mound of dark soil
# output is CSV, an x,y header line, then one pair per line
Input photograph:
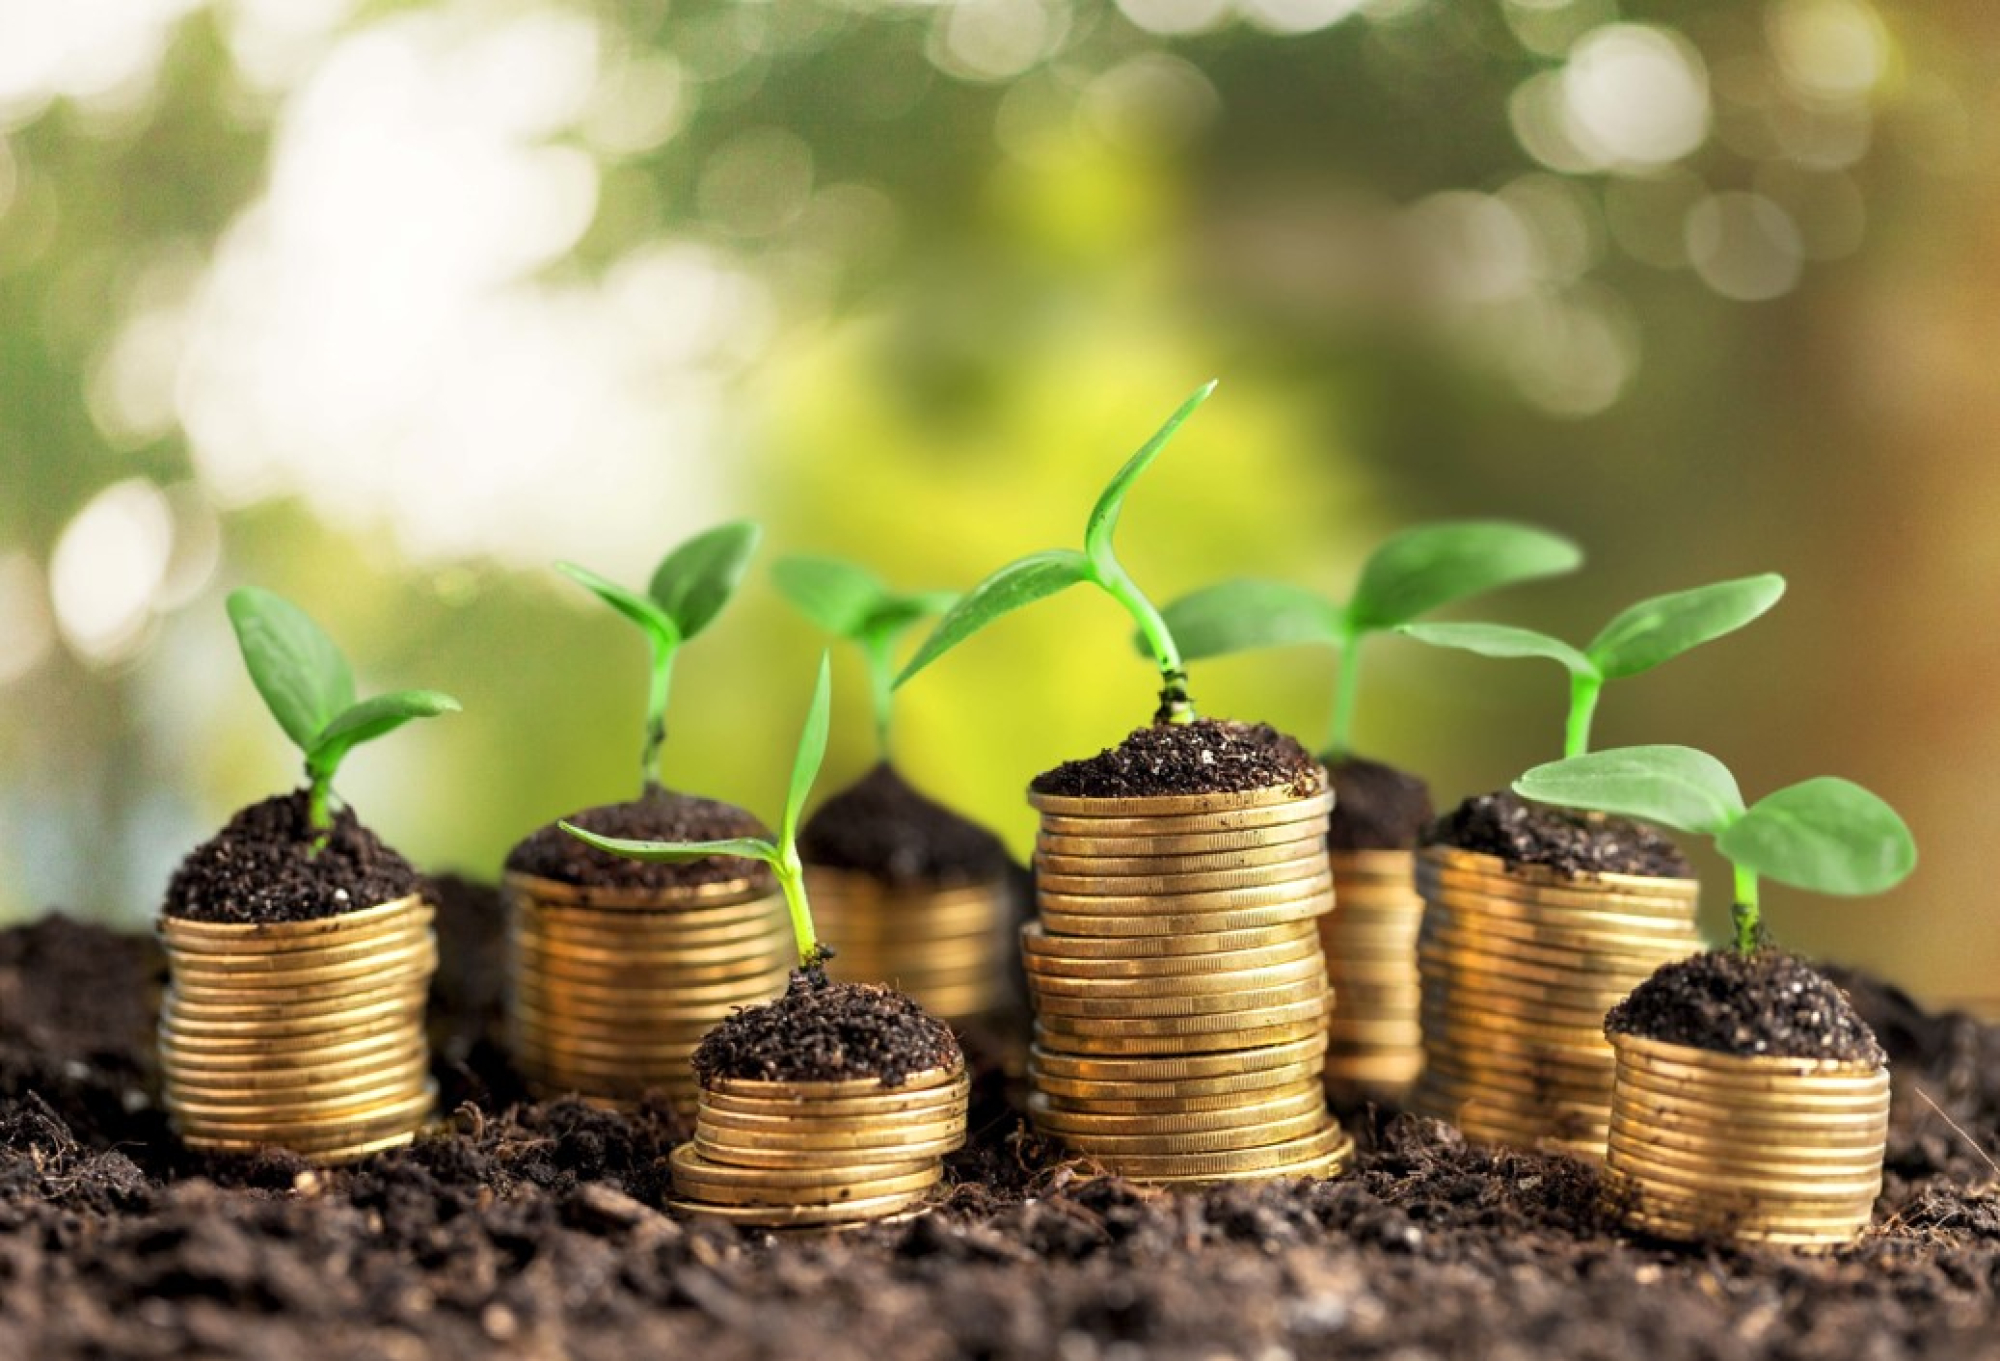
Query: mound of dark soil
x,y
1525,833
881,825
1766,1003
822,1031
1207,756
1376,807
660,815
267,866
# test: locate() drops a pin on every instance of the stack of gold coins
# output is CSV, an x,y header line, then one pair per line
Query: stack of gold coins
x,y
610,989
1719,1147
1375,1038
1179,988
1519,965
819,1154
306,1035
946,946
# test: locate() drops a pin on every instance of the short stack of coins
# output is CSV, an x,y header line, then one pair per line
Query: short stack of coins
x,y
1709,1147
609,990
819,1155
945,945
305,1035
1375,1037
1519,965
1179,988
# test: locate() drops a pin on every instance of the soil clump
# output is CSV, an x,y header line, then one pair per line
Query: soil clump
x,y
882,826
269,865
1570,842
822,1031
1207,756
1376,807
658,815
1767,1003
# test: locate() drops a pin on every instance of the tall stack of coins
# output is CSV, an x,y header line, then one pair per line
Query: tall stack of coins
x,y
1519,965
1179,989
1375,1038
1707,1146
610,989
307,1035
819,1154
944,946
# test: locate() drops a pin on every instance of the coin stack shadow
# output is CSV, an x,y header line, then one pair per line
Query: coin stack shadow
x,y
1726,1148
945,945
609,990
306,1035
819,1154
1179,988
1375,1040
1519,965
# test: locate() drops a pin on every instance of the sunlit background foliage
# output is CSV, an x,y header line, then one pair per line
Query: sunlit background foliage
x,y
385,306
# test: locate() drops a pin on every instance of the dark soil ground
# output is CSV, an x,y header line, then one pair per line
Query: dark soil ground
x,y
1765,1003
1509,826
263,867
536,1230
882,825
1207,756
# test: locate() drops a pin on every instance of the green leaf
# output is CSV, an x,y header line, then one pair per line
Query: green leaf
x,y
664,633
812,751
1654,630
370,719
1827,835
1236,616
296,668
898,612
676,852
694,582
1018,583
1421,569
1676,787
1104,515
1501,640
838,596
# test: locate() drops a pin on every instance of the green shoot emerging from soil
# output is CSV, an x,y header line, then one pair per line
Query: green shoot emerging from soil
x,y
852,603
1827,835
1410,575
688,589
1040,575
782,855
309,687
1639,639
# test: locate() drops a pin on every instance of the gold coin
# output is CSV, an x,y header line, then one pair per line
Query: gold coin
x,y
235,1038
330,1106
686,1161
1311,1007
1398,1069
1202,1141
1149,1094
1178,927
605,1054
618,1001
842,1132
793,1155
921,1080
1297,1085
1172,1046
1318,889
800,1216
1063,1010
288,1086
1304,965
1118,865
385,922
290,1006
310,1051
913,1105
1767,1091
1549,1008
340,1153
693,1186
1289,1105
1492,1032
1676,898
367,1120
1285,812
1476,963
609,932
1765,1072
1501,913
1155,805
300,968
1797,1192
1638,1149
1777,1126
1371,1033
1105,957
516,885
1232,1162
1179,1067
1805,1147
1478,862
288,1076
1086,883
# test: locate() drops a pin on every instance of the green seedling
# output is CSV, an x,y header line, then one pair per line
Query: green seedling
x,y
688,589
1412,574
1827,835
309,687
1639,639
852,603
1040,575
782,855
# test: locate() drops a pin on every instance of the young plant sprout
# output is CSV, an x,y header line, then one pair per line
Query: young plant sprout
x,y
1040,575
309,687
1639,639
782,854
852,603
1410,575
1827,835
688,589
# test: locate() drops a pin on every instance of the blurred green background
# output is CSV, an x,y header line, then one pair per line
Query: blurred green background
x,y
385,306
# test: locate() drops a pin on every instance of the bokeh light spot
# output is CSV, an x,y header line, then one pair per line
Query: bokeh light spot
x,y
1635,97
107,570
27,635
1829,49
1744,246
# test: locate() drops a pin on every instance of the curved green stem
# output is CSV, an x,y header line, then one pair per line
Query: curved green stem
x,y
792,879
1176,704
882,688
1746,913
1583,693
656,715
1346,686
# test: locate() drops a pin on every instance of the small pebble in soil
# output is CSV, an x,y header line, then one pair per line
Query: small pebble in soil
x,y
266,866
1569,842
1208,756
1768,1003
823,1031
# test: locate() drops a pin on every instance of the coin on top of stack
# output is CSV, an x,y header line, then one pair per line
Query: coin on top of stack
x,y
1521,961
305,1034
829,1108
1175,969
912,895
617,968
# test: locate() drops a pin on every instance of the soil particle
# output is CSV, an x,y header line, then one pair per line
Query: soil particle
x,y
1569,842
1376,807
658,815
822,1031
266,866
1765,1003
1208,756
881,825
